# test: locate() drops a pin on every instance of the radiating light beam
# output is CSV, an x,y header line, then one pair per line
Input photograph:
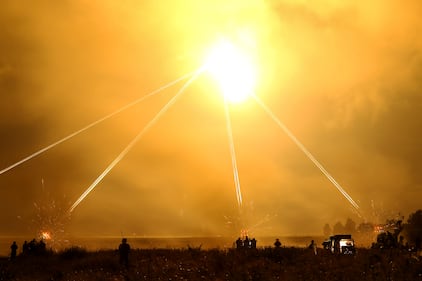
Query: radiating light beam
x,y
266,219
306,151
96,122
134,141
233,155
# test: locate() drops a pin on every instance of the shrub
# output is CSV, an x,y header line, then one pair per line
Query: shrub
x,y
73,253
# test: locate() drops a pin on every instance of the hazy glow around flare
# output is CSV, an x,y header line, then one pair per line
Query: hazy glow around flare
x,y
233,69
45,235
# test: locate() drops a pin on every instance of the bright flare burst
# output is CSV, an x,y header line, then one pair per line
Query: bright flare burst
x,y
45,235
234,71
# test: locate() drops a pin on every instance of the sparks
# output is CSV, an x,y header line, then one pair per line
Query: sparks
x,y
45,235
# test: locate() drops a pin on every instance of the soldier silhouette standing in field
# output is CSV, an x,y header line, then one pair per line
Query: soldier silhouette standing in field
x,y
277,243
313,247
246,243
253,243
124,249
239,243
25,248
13,251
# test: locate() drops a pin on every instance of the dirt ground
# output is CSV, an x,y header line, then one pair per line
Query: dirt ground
x,y
196,264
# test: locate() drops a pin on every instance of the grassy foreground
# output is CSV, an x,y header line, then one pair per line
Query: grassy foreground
x,y
197,264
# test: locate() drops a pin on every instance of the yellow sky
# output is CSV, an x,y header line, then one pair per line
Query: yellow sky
x,y
344,78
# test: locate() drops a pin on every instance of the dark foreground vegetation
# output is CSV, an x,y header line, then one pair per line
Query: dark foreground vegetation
x,y
196,264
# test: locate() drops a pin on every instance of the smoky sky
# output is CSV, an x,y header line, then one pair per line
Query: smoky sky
x,y
345,78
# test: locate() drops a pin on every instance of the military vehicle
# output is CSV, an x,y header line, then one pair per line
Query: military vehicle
x,y
340,244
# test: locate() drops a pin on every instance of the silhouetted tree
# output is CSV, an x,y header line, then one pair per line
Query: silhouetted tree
x,y
413,229
365,227
338,228
327,230
365,233
350,226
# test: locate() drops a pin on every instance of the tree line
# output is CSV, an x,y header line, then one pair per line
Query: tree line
x,y
366,233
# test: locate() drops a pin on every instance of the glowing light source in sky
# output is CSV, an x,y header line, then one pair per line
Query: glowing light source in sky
x,y
233,69
45,235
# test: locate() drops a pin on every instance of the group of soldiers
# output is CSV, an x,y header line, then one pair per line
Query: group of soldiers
x,y
32,247
251,244
39,247
246,243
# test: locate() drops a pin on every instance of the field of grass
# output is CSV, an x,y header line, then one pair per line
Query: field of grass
x,y
196,264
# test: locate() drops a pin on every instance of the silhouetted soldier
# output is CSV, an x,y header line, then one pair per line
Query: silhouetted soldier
x,y
14,249
418,243
239,243
246,243
313,246
41,247
124,249
25,248
277,243
32,245
253,243
401,242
